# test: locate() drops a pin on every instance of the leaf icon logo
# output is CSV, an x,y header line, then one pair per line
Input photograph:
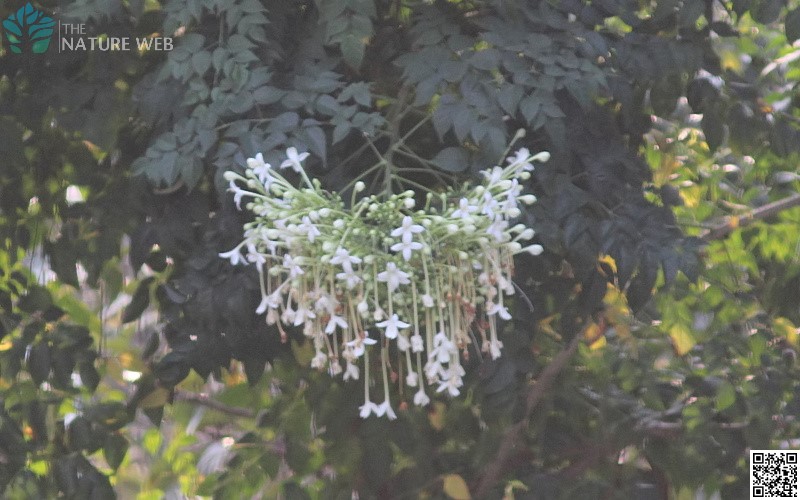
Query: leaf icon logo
x,y
28,30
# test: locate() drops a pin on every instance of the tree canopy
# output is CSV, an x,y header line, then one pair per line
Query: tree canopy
x,y
651,344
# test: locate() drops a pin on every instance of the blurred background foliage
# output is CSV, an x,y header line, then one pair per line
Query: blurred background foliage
x,y
132,363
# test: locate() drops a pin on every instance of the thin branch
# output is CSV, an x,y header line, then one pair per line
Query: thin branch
x,y
204,400
734,222
513,436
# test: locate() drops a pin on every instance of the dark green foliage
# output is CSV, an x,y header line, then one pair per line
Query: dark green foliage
x,y
436,90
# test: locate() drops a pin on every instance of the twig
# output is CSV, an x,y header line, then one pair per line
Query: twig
x,y
535,394
204,400
734,222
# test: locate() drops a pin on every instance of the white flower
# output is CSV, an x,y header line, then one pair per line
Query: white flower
x,y
272,301
393,276
420,398
386,408
334,322
234,255
319,361
349,277
521,159
464,209
302,314
493,347
237,193
261,169
451,385
443,347
416,343
308,228
402,343
405,248
490,205
326,303
358,344
343,257
494,175
351,371
502,311
497,230
293,159
291,264
368,408
254,256
334,368
411,379
407,229
392,326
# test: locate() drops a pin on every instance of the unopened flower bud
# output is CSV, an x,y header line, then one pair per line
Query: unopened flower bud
x,y
324,212
338,223
514,247
369,259
328,247
527,199
525,176
452,228
542,157
252,183
229,176
533,249
513,212
409,203
527,234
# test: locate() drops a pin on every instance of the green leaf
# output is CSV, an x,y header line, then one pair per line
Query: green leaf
x,y
139,302
201,61
452,159
792,25
352,50
713,129
89,376
114,450
726,396
39,363
767,11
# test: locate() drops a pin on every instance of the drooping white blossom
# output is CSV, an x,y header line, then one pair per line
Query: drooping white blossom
x,y
337,272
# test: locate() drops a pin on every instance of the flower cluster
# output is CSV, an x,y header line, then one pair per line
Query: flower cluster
x,y
358,279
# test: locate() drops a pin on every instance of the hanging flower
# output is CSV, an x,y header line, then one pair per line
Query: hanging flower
x,y
335,271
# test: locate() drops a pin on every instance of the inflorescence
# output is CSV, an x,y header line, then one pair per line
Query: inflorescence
x,y
358,279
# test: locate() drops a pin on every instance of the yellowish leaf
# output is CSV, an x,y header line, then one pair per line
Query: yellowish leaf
x,y
455,487
682,339
787,330
436,417
607,259
155,399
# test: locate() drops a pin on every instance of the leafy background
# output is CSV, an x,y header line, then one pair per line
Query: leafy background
x,y
664,304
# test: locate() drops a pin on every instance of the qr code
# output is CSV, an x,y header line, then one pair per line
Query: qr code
x,y
773,474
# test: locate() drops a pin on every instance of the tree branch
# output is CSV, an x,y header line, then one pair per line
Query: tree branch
x,y
534,396
736,221
204,400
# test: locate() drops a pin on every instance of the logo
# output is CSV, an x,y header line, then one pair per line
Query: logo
x,y
28,30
